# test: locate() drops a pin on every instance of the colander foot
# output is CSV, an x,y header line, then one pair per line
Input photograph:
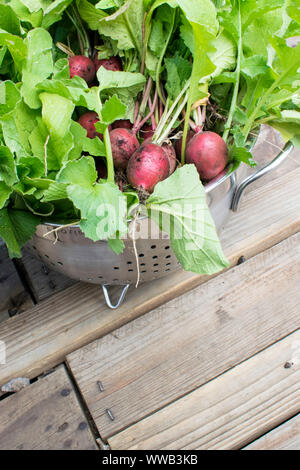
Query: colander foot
x,y
107,298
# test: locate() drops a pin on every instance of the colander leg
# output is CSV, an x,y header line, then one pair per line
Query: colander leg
x,y
107,298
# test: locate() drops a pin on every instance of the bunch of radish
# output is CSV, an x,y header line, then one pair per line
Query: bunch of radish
x,y
143,150
147,154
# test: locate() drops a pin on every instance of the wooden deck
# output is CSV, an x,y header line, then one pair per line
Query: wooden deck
x,y
187,362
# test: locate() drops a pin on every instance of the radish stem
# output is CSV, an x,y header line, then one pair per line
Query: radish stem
x,y
160,133
172,122
107,143
109,157
65,49
237,82
158,68
150,104
143,105
81,32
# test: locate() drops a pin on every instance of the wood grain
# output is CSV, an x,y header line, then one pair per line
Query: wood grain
x,y
229,411
285,437
78,315
174,349
13,295
43,281
45,415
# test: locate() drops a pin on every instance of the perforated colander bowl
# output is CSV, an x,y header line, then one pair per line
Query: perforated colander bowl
x,y
71,253
68,251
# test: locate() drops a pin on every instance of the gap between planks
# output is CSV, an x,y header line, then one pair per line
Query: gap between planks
x,y
231,410
172,350
45,415
285,437
14,298
44,335
45,282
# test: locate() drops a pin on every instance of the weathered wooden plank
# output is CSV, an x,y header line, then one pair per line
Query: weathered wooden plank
x,y
45,415
174,349
285,437
13,295
78,315
44,281
229,411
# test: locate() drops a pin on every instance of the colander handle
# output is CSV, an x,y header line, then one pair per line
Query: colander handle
x,y
258,174
107,298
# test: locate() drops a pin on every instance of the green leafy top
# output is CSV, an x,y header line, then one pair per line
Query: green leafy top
x,y
229,57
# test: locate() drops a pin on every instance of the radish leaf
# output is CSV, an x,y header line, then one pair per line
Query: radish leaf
x,y
16,228
178,205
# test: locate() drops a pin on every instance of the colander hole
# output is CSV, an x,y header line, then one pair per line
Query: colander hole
x,y
154,257
141,255
143,271
168,269
129,262
169,256
167,247
156,264
100,277
116,267
60,263
156,271
168,264
153,247
143,264
130,270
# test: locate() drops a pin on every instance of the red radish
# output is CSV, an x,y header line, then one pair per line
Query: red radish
x,y
123,144
171,154
122,123
178,144
87,121
208,151
147,166
113,63
146,132
83,67
169,151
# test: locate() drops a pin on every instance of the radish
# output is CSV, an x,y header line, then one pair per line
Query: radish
x,y
123,144
113,63
122,123
147,166
208,151
169,151
146,132
87,121
178,144
171,154
83,67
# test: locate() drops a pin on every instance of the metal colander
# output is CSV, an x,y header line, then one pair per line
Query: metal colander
x,y
69,252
